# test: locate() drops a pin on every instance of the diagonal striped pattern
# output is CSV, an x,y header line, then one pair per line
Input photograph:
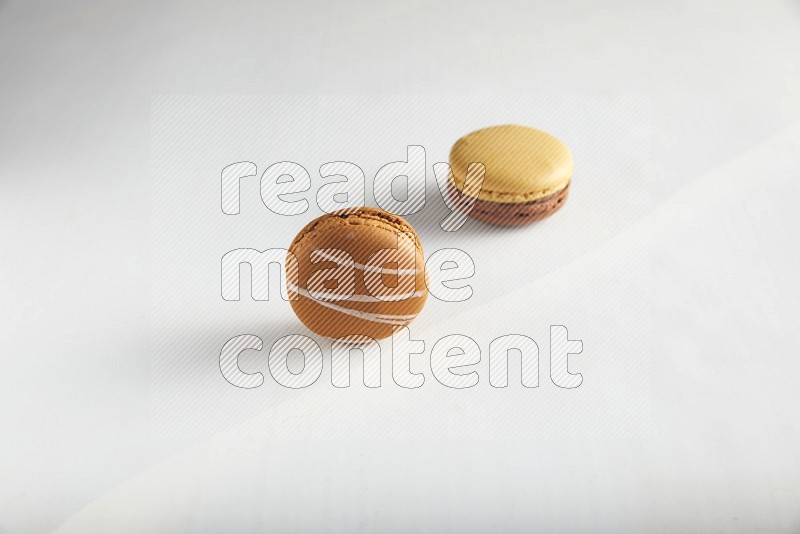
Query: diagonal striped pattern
x,y
361,271
342,351
195,137
229,361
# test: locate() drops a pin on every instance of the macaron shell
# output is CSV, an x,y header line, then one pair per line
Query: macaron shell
x,y
518,214
360,235
522,164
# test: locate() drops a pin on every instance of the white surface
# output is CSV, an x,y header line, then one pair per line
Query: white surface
x,y
198,137
76,388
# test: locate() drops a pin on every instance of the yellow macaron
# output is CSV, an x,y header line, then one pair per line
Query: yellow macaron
x,y
528,173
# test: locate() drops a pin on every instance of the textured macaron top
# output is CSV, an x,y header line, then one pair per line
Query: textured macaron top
x,y
371,217
379,284
522,164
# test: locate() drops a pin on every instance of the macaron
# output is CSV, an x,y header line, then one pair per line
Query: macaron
x,y
358,272
528,173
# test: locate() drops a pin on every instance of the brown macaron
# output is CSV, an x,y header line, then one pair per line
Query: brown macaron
x,y
528,173
358,272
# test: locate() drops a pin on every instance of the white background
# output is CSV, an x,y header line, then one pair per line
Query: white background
x,y
195,137
717,449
